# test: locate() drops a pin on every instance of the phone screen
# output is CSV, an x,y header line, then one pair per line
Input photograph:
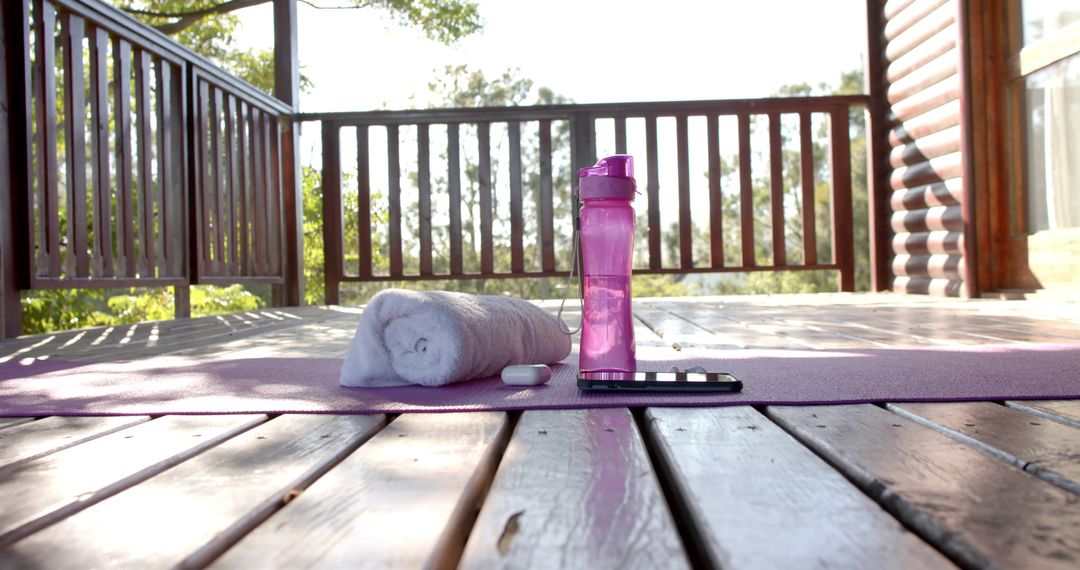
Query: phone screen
x,y
659,381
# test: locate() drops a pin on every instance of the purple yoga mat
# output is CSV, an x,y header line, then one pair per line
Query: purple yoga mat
x,y
169,385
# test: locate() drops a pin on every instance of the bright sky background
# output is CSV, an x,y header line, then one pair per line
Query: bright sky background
x,y
591,51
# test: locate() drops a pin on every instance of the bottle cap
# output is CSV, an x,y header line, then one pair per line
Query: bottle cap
x,y
611,177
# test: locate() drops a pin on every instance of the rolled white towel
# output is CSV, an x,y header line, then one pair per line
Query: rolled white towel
x,y
439,337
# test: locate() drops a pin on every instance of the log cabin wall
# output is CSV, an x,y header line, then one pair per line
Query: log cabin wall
x,y
919,77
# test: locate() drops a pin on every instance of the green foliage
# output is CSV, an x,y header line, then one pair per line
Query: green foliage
x,y
62,309
154,305
208,27
51,310
211,300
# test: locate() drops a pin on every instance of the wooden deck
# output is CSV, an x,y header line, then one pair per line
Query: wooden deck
x,y
988,484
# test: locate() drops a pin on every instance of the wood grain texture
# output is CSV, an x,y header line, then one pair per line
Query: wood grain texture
x,y
575,489
517,222
748,487
1062,411
716,202
74,29
680,332
46,490
453,175
746,194
1043,448
193,512
35,439
403,500
976,509
7,423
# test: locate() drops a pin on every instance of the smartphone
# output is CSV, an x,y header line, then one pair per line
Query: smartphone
x,y
659,381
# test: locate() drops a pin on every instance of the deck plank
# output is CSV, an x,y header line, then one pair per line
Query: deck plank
x,y
182,516
6,423
679,331
41,492
36,439
759,499
1062,411
979,511
575,489
405,499
1048,450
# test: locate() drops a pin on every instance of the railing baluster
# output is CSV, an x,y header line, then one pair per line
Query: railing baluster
x,y
686,243
99,152
144,176
487,261
333,240
205,202
806,154
46,140
231,235
620,135
272,135
242,187
75,141
546,205
166,163
394,168
453,160
175,224
716,200
746,193
842,234
517,253
653,190
423,163
776,182
258,195
215,205
124,212
363,189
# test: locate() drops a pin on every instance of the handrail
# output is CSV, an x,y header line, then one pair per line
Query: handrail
x,y
599,110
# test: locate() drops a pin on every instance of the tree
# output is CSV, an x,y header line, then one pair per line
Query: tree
x,y
208,27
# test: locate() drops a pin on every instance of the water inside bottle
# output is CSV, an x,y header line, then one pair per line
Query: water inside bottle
x,y
607,331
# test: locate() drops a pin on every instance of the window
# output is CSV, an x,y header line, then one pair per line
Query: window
x,y
1048,76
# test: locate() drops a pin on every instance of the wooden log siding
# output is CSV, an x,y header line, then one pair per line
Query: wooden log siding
x,y
923,201
511,130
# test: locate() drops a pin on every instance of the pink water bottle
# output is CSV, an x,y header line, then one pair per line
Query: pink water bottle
x,y
607,247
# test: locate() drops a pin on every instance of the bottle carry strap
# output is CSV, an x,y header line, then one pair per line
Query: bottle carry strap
x,y
573,267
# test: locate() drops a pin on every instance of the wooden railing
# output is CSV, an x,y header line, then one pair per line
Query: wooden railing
x,y
239,169
582,123
133,161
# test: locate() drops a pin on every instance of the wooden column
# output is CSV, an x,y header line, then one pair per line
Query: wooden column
x,y
287,89
14,164
877,151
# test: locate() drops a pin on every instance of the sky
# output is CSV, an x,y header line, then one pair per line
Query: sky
x,y
591,51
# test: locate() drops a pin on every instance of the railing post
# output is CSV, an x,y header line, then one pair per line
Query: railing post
x,y
14,163
843,245
287,89
333,261
877,151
